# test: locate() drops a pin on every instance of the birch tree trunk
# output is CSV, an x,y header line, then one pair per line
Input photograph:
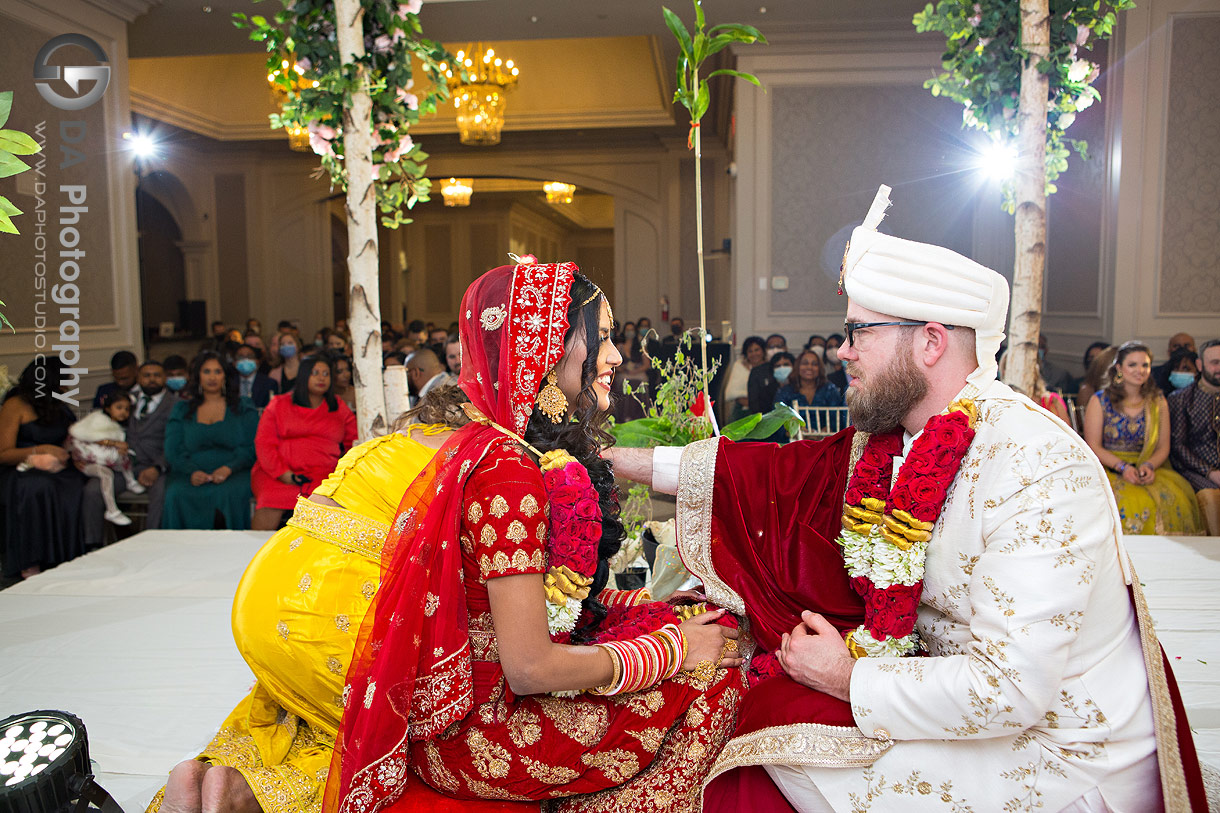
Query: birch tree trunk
x,y
1030,190
364,305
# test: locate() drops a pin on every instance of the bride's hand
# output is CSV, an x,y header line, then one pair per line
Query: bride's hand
x,y
705,640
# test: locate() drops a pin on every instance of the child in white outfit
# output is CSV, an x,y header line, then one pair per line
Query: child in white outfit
x,y
98,444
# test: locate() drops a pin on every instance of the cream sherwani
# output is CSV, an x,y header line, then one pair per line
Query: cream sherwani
x,y
1036,691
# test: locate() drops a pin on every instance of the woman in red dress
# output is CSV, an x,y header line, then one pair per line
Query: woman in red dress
x,y
301,436
488,667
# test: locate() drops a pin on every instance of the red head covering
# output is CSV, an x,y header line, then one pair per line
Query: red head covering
x,y
410,676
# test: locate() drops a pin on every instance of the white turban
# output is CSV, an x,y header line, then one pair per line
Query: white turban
x,y
926,283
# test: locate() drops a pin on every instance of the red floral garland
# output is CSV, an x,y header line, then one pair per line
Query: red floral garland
x,y
911,508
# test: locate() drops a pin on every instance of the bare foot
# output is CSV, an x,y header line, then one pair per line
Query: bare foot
x,y
184,790
225,791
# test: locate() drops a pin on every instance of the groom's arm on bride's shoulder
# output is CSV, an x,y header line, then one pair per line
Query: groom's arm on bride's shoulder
x,y
657,467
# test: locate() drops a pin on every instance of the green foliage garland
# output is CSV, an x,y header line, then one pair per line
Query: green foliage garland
x,y
393,39
983,60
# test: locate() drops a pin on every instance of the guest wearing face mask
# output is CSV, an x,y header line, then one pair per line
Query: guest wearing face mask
x,y
676,328
761,386
766,379
284,374
1180,371
250,382
628,333
175,375
146,437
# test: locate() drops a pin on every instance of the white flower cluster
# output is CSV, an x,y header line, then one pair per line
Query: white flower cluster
x,y
562,617
881,562
889,648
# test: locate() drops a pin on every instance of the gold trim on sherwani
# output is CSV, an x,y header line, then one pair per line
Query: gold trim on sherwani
x,y
828,746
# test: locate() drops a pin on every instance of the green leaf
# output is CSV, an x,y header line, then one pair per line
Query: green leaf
x,y
739,32
701,102
700,20
11,165
6,106
678,30
749,77
739,429
7,207
259,20
699,49
6,225
18,143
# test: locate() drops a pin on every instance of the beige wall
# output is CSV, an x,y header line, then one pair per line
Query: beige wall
x,y
108,315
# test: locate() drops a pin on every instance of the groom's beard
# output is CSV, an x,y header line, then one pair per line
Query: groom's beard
x,y
887,396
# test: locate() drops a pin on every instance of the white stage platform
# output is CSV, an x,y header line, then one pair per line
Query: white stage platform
x,y
135,640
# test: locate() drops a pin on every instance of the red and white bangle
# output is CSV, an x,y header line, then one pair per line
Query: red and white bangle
x,y
644,661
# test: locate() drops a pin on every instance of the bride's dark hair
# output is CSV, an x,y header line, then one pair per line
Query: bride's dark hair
x,y
585,436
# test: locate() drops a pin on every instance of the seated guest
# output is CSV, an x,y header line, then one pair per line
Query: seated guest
x,y
287,362
1049,400
300,438
765,381
817,340
676,328
1090,353
337,343
98,445
1095,377
250,382
417,331
177,371
123,368
1055,377
1179,372
1195,446
453,358
424,372
344,390
438,335
809,386
835,373
40,491
254,326
1127,427
209,444
146,437
736,385
1177,342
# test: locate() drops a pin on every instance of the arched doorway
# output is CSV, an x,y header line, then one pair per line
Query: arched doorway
x,y
162,265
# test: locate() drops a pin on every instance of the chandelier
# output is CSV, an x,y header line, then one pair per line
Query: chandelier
x,y
478,81
558,191
457,191
298,137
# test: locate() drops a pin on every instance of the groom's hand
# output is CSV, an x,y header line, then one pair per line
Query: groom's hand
x,y
814,655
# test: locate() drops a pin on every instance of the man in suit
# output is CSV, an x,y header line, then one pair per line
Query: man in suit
x,y
123,370
254,385
146,436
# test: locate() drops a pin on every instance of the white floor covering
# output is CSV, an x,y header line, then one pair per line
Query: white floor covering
x,y
135,640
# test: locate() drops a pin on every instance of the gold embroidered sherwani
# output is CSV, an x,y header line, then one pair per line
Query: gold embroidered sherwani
x,y
1036,690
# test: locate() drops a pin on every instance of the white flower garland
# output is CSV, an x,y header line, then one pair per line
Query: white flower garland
x,y
884,564
563,617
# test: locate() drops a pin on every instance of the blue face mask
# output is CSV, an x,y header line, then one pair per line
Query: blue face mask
x,y
175,383
781,373
246,366
1041,354
1178,380
288,350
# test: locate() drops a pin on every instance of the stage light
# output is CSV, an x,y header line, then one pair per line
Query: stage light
x,y
141,144
998,160
44,765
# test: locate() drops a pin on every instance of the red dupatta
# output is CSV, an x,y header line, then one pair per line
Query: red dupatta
x,y
410,676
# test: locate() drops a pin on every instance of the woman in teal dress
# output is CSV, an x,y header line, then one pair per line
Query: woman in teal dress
x,y
209,445
1126,424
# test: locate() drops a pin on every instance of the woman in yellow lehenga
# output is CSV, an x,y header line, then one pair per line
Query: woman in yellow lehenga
x,y
296,614
1126,424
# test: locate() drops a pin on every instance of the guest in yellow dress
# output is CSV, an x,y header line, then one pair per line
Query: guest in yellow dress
x,y
296,615
1126,424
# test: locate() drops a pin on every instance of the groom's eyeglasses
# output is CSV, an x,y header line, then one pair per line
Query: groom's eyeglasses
x,y
850,328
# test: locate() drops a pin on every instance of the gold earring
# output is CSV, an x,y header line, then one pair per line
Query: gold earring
x,y
551,400
1118,377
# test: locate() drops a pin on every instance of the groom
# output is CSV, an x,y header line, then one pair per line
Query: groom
x,y
1035,692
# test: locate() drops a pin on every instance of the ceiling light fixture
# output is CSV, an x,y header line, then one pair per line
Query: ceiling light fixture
x,y
290,74
457,191
558,191
478,81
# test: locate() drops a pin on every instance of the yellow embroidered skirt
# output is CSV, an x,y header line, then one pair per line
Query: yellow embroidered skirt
x,y
295,618
1166,506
